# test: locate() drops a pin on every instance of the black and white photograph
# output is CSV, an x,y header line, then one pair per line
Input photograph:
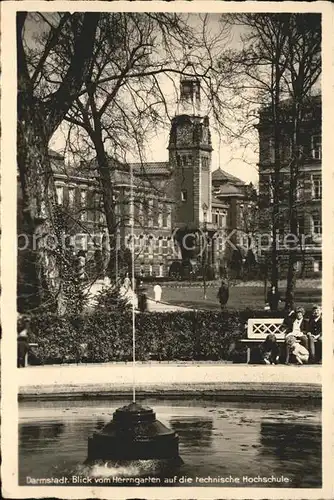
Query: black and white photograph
x,y
167,212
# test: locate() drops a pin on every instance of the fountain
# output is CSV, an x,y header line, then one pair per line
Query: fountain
x,y
134,432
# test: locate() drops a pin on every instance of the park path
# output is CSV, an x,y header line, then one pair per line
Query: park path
x,y
162,378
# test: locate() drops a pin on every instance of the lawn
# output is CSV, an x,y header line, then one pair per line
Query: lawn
x,y
240,297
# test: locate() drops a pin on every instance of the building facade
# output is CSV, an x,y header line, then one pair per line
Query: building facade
x,y
309,188
181,196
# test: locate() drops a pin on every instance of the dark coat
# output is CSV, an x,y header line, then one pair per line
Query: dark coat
x,y
315,327
273,299
288,323
223,294
22,349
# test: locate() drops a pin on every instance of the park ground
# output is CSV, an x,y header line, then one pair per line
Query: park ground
x,y
243,295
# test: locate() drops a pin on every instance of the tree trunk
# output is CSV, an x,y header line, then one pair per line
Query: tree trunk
x,y
108,194
38,198
294,173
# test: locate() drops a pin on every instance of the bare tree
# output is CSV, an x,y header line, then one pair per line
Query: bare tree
x,y
125,103
262,62
303,71
281,62
45,93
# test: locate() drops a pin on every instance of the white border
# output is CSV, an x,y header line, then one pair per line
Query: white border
x,y
8,254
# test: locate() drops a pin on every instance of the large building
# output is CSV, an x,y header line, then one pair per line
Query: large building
x,y
309,186
178,197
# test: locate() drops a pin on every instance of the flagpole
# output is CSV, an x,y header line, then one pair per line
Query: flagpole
x,y
133,286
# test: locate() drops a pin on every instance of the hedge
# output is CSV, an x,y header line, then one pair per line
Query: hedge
x,y
101,337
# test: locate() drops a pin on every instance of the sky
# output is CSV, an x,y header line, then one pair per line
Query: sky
x,y
230,156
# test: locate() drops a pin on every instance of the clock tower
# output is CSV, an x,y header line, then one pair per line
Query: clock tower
x,y
190,153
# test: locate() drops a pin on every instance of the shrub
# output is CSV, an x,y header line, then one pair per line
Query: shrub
x,y
110,299
107,336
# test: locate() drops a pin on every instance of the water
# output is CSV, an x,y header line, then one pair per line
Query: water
x,y
221,444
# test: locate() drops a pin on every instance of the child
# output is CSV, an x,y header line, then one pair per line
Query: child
x,y
299,351
269,350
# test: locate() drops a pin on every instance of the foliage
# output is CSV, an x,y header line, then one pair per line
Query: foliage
x,y
110,299
107,336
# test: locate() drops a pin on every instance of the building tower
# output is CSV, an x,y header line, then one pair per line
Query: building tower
x,y
190,153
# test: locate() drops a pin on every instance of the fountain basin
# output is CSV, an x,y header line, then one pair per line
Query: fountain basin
x,y
134,434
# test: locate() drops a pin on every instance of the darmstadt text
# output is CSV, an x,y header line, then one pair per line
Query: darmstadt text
x,y
151,480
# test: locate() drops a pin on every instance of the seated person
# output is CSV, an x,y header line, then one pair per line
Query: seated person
x,y
296,324
315,331
269,350
299,351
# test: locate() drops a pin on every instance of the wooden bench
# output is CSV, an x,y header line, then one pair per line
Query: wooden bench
x,y
259,328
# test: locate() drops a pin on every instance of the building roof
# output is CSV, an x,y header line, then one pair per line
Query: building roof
x,y
228,189
222,175
152,168
217,202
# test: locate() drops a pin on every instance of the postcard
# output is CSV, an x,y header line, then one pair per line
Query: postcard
x,y
166,250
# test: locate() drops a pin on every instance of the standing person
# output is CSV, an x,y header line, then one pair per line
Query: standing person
x,y
223,294
22,343
315,332
157,292
142,299
273,298
127,282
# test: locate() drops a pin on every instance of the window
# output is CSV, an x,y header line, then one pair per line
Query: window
x,y
90,205
136,212
317,265
145,212
83,199
150,269
150,213
164,216
71,197
316,187
205,162
155,212
215,217
316,147
169,218
60,194
317,226
160,218
184,195
150,247
164,247
161,270
221,219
